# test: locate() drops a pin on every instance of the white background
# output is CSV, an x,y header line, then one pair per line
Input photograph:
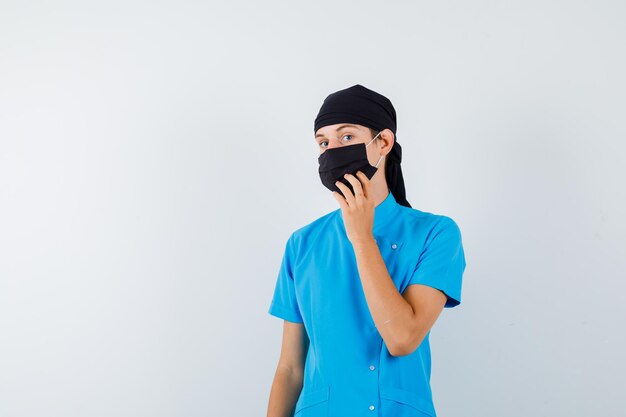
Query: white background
x,y
156,155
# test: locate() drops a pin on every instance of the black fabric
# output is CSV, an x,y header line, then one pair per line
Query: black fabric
x,y
362,106
335,162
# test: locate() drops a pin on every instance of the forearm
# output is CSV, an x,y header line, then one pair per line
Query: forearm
x,y
285,391
393,316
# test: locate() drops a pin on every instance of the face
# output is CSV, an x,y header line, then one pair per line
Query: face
x,y
346,134
340,134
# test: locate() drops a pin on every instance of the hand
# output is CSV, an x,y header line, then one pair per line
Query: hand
x,y
358,210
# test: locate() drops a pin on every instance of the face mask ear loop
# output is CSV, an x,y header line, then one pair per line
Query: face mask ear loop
x,y
373,139
381,157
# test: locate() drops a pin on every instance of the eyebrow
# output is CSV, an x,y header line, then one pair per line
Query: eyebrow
x,y
338,129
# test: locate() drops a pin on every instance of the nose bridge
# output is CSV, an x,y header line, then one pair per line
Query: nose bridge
x,y
333,143
334,140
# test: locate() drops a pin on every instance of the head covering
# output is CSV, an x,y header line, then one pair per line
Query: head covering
x,y
360,105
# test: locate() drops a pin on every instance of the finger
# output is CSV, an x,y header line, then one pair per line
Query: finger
x,y
346,192
358,189
342,201
365,183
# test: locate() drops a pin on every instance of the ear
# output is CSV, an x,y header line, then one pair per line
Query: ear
x,y
389,139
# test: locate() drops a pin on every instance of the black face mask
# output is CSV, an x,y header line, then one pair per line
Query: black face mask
x,y
336,162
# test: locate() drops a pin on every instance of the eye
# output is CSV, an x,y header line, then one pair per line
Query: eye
x,y
322,142
344,136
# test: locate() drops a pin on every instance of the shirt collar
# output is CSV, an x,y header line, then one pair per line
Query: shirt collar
x,y
384,212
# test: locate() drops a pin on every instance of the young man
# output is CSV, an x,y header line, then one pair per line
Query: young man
x,y
360,287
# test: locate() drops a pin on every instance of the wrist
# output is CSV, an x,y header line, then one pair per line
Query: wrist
x,y
363,241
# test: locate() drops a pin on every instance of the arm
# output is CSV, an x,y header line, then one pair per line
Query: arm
x,y
288,378
403,320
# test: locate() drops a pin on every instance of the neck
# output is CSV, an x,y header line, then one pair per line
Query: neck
x,y
378,186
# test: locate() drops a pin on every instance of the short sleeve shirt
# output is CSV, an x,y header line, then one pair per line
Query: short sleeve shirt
x,y
349,370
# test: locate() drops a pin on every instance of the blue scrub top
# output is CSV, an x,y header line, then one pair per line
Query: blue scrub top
x,y
348,369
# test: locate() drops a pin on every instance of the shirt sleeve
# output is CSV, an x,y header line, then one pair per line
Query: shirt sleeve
x,y
284,303
442,262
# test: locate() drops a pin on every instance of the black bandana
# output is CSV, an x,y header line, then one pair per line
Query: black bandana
x,y
362,106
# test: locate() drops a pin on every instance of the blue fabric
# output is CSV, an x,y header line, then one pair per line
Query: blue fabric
x,y
348,369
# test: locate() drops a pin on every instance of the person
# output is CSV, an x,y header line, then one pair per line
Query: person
x,y
360,288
